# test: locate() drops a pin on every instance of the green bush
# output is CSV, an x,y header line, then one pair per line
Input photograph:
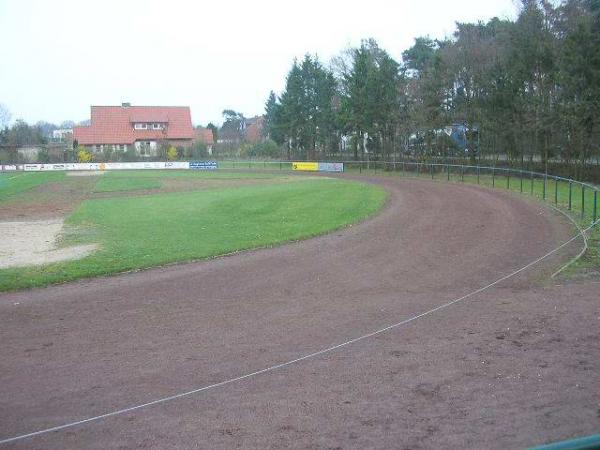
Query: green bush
x,y
172,153
84,155
130,155
43,156
265,149
198,151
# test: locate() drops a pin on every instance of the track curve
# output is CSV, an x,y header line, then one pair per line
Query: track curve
x,y
94,346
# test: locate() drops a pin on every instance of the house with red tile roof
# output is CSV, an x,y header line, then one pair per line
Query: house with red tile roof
x,y
141,127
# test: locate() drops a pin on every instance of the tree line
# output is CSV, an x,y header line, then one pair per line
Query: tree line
x,y
21,134
523,90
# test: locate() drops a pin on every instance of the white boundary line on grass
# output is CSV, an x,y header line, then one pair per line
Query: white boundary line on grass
x,y
297,360
582,233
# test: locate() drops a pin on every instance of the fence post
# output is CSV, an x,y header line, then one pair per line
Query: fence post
x,y
556,191
448,171
508,179
279,165
360,167
493,177
544,188
595,217
570,194
462,173
234,163
418,169
432,171
582,201
531,176
521,179
403,166
478,170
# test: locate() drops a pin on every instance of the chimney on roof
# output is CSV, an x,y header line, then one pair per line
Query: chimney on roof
x,y
125,105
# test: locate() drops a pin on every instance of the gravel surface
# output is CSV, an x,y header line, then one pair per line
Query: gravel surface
x,y
516,365
34,243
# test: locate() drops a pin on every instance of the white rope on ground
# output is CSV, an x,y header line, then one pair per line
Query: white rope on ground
x,y
582,233
297,360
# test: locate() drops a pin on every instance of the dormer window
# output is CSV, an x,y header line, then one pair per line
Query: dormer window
x,y
141,126
156,126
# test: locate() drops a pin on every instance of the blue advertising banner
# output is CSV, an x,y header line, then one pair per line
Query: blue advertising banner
x,y
331,167
203,165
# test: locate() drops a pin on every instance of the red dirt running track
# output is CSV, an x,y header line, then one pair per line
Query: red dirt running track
x,y
514,366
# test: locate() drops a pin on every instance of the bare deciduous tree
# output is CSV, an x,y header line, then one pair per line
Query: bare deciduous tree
x,y
5,116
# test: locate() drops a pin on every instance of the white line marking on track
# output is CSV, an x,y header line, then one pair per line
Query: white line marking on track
x,y
297,360
582,233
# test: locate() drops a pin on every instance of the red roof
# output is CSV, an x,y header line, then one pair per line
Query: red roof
x,y
115,124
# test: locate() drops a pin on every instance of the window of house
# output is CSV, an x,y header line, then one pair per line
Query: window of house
x,y
141,126
156,126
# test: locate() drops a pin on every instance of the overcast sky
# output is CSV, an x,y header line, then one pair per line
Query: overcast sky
x,y
59,57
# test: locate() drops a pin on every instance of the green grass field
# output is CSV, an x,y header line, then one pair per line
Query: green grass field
x,y
219,213
13,183
145,231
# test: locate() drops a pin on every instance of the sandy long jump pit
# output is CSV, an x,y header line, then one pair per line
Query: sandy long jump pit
x,y
35,243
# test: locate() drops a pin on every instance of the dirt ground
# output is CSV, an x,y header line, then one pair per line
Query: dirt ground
x,y
513,366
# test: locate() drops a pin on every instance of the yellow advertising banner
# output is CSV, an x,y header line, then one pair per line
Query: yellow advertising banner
x,y
306,166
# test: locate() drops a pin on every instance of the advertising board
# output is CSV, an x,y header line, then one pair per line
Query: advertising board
x,y
331,167
318,166
306,166
203,165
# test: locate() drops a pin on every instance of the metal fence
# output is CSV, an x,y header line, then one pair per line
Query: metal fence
x,y
580,198
575,196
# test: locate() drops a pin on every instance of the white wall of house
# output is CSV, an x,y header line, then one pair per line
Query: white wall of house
x,y
61,134
115,147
